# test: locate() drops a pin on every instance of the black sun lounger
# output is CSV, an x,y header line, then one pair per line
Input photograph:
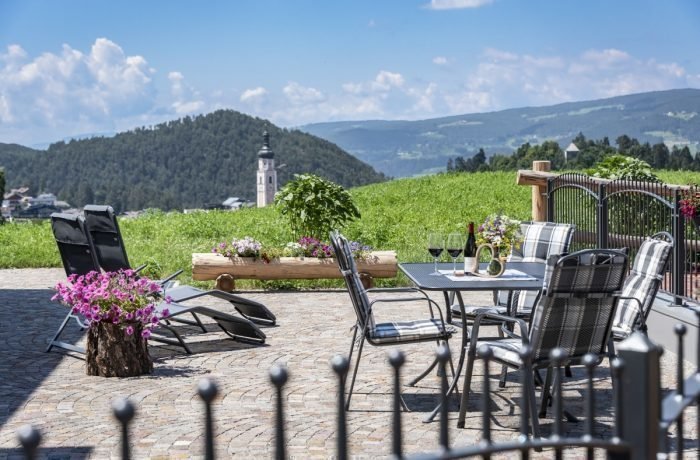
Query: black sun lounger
x,y
79,258
111,254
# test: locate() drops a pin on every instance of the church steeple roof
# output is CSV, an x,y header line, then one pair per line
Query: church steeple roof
x,y
265,151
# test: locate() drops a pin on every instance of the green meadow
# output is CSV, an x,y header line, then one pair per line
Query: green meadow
x,y
395,215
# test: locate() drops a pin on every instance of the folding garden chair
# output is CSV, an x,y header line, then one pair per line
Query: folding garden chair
x,y
79,258
429,329
640,287
111,254
574,313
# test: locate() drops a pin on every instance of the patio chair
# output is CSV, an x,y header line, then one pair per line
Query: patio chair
x,y
428,329
540,241
79,258
574,313
640,287
111,254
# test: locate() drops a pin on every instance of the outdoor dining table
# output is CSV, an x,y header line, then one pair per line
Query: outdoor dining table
x,y
519,276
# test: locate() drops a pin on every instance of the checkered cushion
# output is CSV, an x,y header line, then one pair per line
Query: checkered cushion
x,y
540,241
407,331
472,310
576,310
642,284
507,350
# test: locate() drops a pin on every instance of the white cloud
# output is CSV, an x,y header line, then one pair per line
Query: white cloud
x,y
71,92
297,94
187,99
456,4
254,94
386,80
440,60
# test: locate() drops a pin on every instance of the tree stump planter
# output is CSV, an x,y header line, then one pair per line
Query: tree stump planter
x,y
112,353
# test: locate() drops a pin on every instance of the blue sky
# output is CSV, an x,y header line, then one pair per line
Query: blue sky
x,y
72,67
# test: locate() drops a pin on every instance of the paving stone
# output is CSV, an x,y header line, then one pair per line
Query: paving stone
x,y
52,392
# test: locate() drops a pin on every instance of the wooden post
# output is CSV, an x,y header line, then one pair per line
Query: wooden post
x,y
539,202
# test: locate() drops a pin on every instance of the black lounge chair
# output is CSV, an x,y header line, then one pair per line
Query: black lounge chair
x,y
111,254
79,258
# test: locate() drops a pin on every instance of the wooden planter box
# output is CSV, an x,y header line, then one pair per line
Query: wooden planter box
x,y
210,266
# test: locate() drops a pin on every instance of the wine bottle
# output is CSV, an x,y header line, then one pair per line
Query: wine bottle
x,y
470,251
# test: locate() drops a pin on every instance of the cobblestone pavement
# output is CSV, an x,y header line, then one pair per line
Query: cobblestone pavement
x,y
72,410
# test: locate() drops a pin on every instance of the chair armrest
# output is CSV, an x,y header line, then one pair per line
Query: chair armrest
x,y
642,319
165,281
430,301
494,316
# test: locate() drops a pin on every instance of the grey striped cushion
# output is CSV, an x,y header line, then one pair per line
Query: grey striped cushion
x,y
404,331
472,310
642,283
507,350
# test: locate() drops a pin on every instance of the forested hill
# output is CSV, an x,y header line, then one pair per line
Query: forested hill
x,y
404,148
179,164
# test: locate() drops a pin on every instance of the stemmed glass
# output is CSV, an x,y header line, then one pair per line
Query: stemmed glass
x,y
436,243
454,247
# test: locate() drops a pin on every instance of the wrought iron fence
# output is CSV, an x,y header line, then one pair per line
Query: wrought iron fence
x,y
621,213
643,415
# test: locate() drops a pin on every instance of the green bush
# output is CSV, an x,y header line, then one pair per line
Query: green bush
x,y
314,206
623,167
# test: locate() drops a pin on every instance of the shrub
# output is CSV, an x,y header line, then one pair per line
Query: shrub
x,y
314,206
623,167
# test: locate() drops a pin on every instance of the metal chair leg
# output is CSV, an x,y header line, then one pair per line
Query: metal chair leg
x,y
546,387
354,373
465,390
532,401
424,373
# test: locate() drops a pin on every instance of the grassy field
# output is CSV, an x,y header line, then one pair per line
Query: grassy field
x,y
395,215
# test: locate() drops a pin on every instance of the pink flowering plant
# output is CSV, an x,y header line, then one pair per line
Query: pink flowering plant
x,y
315,248
690,203
500,231
120,298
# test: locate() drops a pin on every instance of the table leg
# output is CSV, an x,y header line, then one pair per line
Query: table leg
x,y
460,364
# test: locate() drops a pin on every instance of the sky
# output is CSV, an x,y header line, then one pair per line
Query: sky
x,y
81,67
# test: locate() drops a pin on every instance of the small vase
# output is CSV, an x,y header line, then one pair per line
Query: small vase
x,y
111,352
496,265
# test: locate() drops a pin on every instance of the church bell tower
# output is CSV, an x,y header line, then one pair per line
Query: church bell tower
x,y
267,176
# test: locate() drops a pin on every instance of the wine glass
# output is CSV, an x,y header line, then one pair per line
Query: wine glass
x,y
454,247
436,243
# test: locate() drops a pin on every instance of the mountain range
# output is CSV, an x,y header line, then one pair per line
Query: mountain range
x,y
405,148
185,163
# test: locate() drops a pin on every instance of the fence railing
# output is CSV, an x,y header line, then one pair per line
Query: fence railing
x,y
621,213
643,415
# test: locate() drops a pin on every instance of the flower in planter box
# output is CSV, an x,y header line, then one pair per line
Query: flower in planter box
x,y
245,247
315,248
121,298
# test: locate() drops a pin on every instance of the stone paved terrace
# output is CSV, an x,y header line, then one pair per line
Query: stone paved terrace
x,y
52,392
